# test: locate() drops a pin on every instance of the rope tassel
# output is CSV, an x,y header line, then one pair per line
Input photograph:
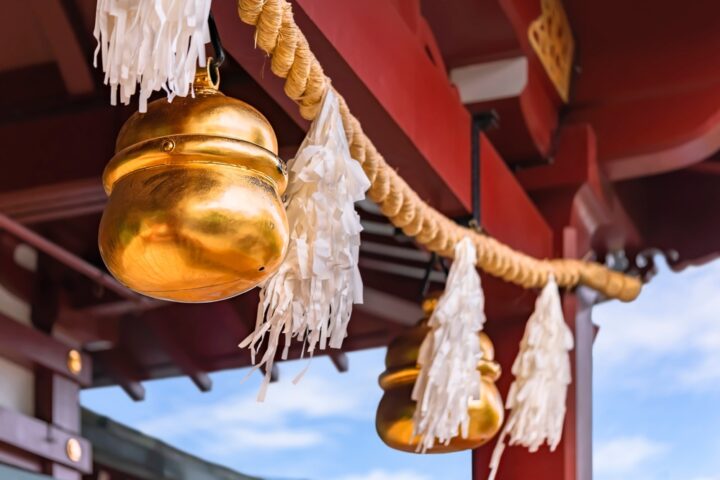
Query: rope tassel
x,y
310,297
542,374
155,43
449,355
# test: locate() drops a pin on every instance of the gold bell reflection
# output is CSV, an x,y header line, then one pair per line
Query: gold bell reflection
x,y
195,213
394,420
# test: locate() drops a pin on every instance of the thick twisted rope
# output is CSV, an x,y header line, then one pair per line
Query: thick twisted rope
x,y
291,58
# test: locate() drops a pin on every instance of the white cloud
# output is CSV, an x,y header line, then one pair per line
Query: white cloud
x,y
322,428
676,317
624,455
257,438
386,475
238,423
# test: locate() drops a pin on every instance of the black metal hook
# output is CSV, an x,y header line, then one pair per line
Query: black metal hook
x,y
481,122
219,57
434,260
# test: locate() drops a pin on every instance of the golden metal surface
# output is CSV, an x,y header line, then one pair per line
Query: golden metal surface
x,y
394,419
73,450
195,213
552,39
74,362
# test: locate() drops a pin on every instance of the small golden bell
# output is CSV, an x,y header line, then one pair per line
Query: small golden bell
x,y
194,213
394,419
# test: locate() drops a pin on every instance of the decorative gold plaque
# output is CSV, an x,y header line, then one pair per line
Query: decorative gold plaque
x,y
551,38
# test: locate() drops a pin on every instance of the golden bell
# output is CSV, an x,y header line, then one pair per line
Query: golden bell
x,y
394,419
195,213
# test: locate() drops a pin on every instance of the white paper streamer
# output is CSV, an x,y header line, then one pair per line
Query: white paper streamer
x,y
155,43
449,355
311,295
536,399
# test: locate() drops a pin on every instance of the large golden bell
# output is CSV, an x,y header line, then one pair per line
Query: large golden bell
x,y
394,420
195,213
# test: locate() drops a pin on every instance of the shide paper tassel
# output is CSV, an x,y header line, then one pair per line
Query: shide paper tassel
x,y
311,295
155,43
542,374
449,355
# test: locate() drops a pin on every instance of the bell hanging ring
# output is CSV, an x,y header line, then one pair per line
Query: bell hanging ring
x,y
194,211
394,419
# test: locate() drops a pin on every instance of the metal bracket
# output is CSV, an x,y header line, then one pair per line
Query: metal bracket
x,y
481,122
219,58
435,259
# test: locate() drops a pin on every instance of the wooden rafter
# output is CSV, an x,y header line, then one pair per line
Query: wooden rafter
x,y
60,201
34,348
170,344
42,439
67,49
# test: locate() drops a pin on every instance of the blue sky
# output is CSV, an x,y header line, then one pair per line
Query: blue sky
x,y
657,391
657,381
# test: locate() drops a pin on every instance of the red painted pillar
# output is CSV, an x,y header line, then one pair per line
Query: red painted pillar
x,y
584,213
572,460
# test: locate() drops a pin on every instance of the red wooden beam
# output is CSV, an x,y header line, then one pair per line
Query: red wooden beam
x,y
68,258
121,368
16,279
23,82
574,190
59,201
471,31
163,333
96,327
507,212
652,98
688,225
574,162
685,131
241,358
390,307
84,132
396,91
340,360
710,167
406,103
42,439
31,347
421,127
19,459
71,59
57,402
181,343
237,41
527,121
86,329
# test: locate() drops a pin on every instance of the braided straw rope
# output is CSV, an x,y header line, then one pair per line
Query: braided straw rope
x,y
291,58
